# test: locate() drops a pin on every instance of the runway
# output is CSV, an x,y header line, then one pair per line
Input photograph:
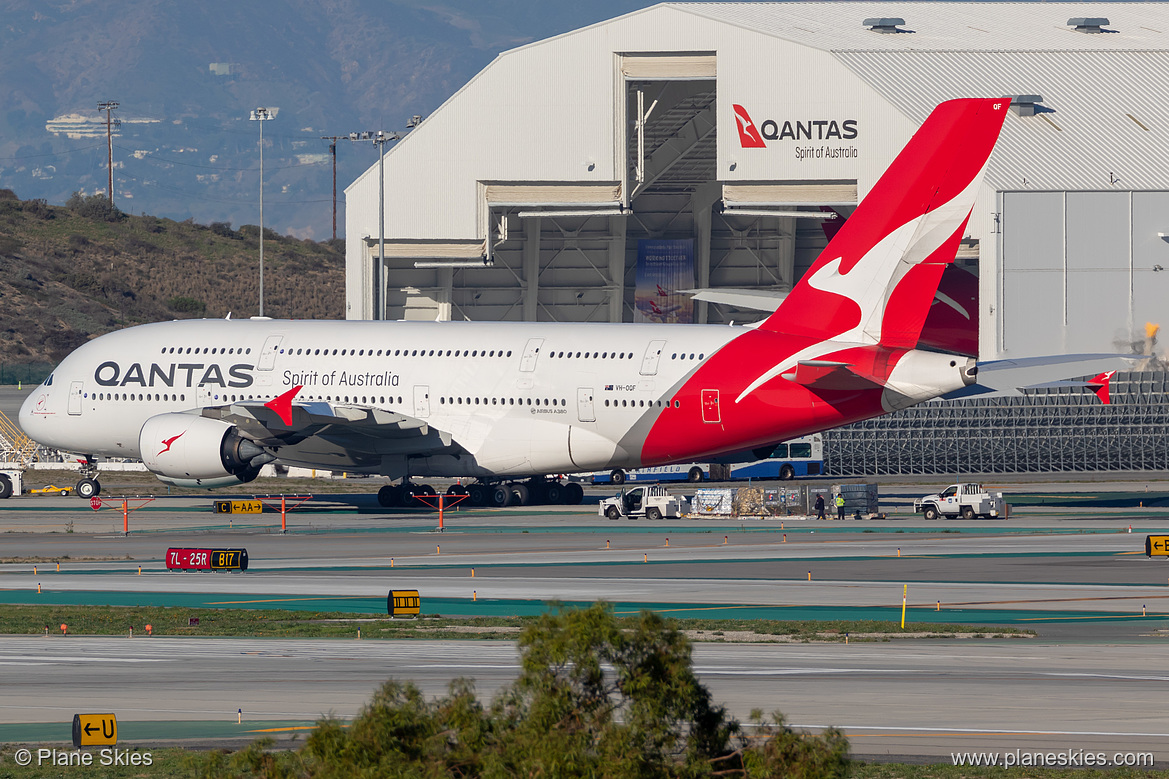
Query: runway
x,y
1075,574
925,700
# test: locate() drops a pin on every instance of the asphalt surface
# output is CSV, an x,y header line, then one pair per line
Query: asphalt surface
x,y
917,699
1066,565
1076,575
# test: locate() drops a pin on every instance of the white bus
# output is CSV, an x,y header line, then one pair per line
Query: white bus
x,y
789,460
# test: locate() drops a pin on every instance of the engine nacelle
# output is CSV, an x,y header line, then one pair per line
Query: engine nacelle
x,y
194,451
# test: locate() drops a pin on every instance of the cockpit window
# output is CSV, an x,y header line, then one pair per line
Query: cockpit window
x,y
49,381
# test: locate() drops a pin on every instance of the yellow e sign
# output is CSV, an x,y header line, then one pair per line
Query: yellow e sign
x,y
95,730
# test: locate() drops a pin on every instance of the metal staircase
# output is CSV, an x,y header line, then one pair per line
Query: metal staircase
x,y
15,446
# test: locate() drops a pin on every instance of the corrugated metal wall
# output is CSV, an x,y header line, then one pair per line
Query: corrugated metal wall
x,y
1046,431
1079,270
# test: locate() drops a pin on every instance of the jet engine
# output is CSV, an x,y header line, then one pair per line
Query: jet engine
x,y
193,451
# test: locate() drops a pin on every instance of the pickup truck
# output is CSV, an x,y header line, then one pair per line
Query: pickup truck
x,y
651,502
961,500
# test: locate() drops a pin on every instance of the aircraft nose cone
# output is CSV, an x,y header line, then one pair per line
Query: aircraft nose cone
x,y
30,421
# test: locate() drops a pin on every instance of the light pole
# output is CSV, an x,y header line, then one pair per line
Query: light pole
x,y
380,138
261,115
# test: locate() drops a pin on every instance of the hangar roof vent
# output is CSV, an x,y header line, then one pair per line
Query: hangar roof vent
x,y
1025,105
1089,24
885,24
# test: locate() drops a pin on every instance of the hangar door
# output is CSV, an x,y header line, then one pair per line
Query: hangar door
x,y
1077,270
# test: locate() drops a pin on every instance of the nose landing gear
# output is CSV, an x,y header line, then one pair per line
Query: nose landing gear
x,y
88,487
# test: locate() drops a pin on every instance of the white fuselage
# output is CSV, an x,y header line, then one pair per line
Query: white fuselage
x,y
565,396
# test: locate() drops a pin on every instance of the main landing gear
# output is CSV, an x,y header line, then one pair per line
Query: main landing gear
x,y
533,492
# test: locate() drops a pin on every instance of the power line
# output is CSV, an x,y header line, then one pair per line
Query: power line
x,y
53,153
209,199
155,160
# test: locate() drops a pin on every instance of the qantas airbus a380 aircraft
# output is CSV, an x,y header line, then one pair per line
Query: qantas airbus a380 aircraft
x,y
207,403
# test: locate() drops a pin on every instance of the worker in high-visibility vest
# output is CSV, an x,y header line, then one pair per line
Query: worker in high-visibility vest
x,y
840,506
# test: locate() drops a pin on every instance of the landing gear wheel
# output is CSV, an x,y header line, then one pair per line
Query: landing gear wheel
x,y
499,496
930,514
967,512
787,473
5,487
477,494
88,488
695,475
389,496
617,477
456,489
573,494
653,513
410,493
613,512
520,495
554,493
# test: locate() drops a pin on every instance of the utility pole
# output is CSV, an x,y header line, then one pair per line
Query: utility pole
x,y
332,139
108,106
261,115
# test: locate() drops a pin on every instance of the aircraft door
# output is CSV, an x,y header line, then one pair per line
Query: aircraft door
x,y
202,396
268,354
422,401
710,407
585,411
653,353
531,354
76,392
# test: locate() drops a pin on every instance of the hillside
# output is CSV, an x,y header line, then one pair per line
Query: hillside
x,y
69,273
187,75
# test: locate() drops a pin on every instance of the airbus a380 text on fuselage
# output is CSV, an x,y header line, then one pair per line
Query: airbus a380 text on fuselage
x,y
208,402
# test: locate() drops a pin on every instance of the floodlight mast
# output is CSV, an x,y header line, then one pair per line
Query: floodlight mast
x,y
380,138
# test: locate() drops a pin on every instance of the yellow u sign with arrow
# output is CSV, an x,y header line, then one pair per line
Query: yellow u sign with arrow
x,y
95,730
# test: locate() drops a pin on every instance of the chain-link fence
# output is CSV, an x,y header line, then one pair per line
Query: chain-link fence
x,y
29,373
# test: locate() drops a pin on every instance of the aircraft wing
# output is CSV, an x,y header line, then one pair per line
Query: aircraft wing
x,y
360,430
747,299
1000,378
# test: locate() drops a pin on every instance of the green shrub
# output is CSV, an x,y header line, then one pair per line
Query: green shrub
x,y
94,207
186,305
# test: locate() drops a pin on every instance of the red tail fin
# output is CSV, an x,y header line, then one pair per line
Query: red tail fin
x,y
1101,386
875,280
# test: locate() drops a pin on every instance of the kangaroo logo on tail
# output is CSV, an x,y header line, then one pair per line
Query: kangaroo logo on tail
x,y
876,279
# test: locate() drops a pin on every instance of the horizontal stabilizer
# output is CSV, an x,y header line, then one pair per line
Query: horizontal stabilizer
x,y
828,375
1011,377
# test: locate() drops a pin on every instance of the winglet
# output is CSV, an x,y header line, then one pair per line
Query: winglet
x,y
1100,385
282,404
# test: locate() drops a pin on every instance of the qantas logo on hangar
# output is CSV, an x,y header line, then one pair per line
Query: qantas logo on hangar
x,y
752,137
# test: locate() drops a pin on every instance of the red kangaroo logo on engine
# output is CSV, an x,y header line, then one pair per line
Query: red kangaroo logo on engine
x,y
169,441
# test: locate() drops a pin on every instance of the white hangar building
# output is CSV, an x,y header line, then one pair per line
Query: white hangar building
x,y
531,192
